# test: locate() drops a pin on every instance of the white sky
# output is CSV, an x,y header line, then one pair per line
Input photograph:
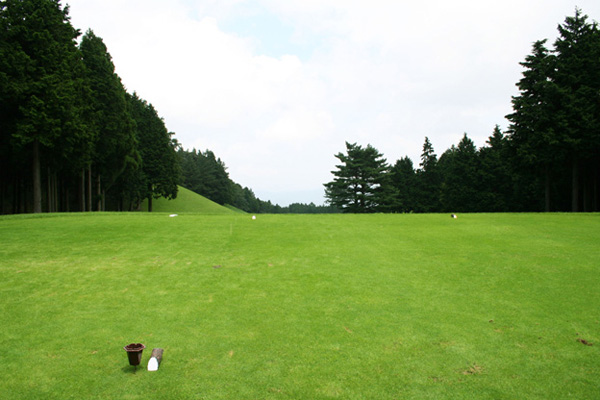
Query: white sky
x,y
275,88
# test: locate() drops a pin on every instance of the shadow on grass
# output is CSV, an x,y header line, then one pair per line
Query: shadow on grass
x,y
130,369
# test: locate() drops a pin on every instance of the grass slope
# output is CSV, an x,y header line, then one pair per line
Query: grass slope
x,y
188,202
301,307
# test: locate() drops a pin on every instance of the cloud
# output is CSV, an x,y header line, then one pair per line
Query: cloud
x,y
275,88
299,124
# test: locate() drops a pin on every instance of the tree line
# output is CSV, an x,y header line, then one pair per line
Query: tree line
x,y
206,174
547,160
71,137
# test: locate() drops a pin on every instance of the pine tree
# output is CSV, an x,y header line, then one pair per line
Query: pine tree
x,y
427,180
537,132
110,122
459,171
577,75
495,174
403,178
41,83
159,163
359,185
555,126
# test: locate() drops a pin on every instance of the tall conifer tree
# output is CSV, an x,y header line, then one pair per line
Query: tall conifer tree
x,y
40,71
577,75
159,163
110,122
360,180
428,180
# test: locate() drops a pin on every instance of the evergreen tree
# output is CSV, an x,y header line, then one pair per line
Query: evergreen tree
x,y
115,148
359,183
536,132
40,76
205,174
427,180
159,162
577,75
403,180
495,174
251,200
459,172
555,126
218,186
191,176
239,199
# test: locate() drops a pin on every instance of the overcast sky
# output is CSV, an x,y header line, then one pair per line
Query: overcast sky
x,y
275,88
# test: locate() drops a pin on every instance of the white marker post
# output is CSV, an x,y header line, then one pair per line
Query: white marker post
x,y
155,359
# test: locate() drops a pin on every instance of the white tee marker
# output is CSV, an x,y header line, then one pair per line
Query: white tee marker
x,y
155,359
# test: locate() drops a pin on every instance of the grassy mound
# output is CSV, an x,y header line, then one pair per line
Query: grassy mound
x,y
188,202
300,307
235,209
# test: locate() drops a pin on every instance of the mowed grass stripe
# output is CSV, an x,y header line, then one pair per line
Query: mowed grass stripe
x,y
328,306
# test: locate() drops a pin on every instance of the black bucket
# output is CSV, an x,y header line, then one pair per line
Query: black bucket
x,y
134,353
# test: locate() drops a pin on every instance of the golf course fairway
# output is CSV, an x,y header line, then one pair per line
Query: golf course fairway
x,y
484,306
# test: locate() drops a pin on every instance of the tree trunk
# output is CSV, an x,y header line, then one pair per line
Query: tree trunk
x,y
2,195
99,192
587,194
56,193
575,186
547,190
67,197
150,197
37,179
23,196
595,205
16,194
89,188
82,191
49,196
52,194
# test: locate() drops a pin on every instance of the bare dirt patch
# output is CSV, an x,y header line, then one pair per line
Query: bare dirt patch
x,y
474,369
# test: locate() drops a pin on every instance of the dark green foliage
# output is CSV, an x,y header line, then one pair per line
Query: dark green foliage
x,y
73,139
577,75
159,164
218,186
359,183
494,174
207,175
428,180
67,138
536,135
555,130
403,184
550,153
459,170
311,208
115,152
41,84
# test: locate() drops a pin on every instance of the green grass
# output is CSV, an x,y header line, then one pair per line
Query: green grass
x,y
189,202
487,306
